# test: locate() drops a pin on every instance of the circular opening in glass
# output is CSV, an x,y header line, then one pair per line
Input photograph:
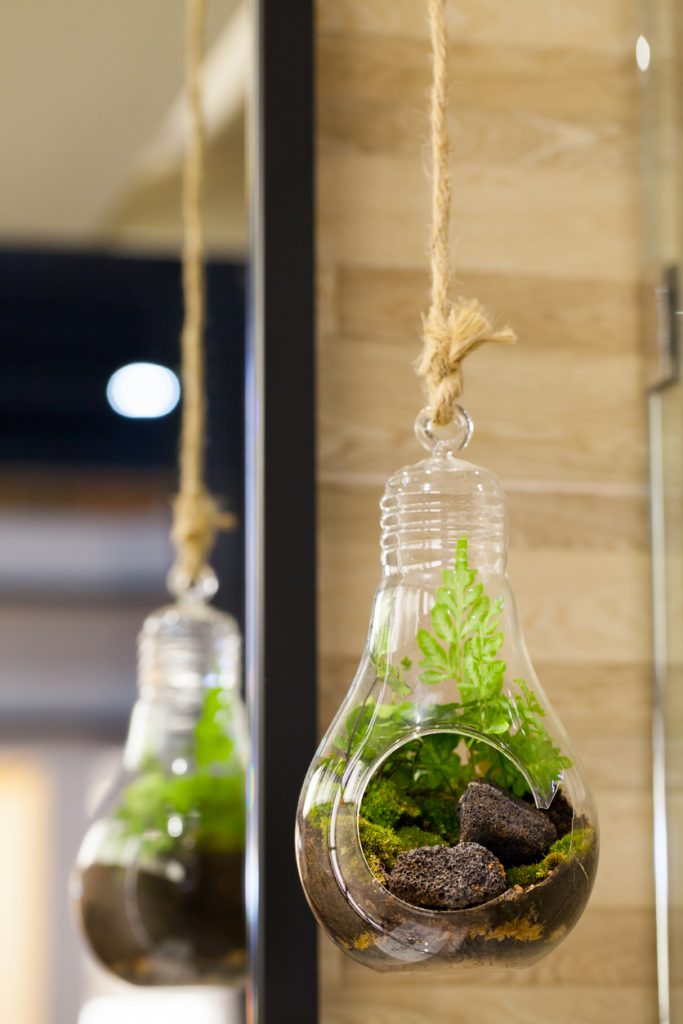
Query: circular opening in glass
x,y
446,822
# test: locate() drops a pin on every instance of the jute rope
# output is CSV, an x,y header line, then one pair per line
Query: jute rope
x,y
451,330
196,516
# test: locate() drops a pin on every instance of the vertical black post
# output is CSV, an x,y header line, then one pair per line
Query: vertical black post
x,y
281,621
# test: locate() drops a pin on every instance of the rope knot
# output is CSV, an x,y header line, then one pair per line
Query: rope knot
x,y
196,515
451,330
196,519
449,336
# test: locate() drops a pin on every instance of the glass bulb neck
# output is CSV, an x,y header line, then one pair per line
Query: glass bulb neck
x,y
186,648
427,508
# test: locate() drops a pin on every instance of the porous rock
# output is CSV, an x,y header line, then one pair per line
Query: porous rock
x,y
447,877
511,828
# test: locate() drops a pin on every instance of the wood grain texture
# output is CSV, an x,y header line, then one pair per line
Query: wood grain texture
x,y
605,948
592,608
537,414
605,27
382,1002
581,317
539,516
522,140
397,69
496,213
546,233
583,696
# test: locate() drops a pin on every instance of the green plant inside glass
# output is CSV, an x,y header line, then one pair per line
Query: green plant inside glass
x,y
159,878
447,782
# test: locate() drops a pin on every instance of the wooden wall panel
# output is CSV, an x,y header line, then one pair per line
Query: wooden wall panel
x,y
608,27
546,233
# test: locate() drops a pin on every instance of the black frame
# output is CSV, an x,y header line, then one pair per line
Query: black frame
x,y
280,519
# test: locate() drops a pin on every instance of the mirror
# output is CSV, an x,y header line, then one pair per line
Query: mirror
x,y
90,231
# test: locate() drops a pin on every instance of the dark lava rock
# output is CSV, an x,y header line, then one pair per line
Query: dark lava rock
x,y
512,829
447,877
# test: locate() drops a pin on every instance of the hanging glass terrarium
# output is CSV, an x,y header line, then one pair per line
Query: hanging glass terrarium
x,y
159,876
158,884
445,818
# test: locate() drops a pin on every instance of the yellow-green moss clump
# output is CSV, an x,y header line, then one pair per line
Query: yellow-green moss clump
x,y
574,844
384,804
382,846
392,822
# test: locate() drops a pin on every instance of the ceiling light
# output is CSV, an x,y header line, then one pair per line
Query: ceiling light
x,y
143,391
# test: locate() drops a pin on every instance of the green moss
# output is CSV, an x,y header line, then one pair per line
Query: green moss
x,y
411,837
379,843
524,875
376,866
319,816
573,844
552,860
439,814
382,846
384,804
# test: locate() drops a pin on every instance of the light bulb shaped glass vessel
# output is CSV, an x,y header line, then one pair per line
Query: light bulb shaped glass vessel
x,y
445,819
158,884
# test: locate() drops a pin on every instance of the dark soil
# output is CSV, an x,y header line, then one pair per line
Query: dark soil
x,y
515,928
151,930
561,813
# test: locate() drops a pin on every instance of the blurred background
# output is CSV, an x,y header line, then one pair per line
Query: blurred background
x,y
90,232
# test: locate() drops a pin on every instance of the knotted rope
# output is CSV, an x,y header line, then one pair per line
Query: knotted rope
x,y
451,330
196,515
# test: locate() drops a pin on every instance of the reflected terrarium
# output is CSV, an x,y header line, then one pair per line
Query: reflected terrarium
x,y
158,884
445,819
